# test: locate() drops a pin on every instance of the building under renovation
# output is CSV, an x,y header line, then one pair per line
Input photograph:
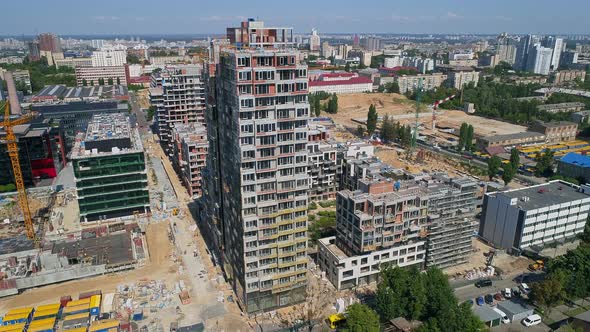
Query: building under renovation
x,y
179,96
190,147
325,158
109,169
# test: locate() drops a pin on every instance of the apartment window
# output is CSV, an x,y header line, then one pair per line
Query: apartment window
x,y
243,61
267,140
265,75
244,76
247,128
250,200
301,73
302,112
262,89
246,140
248,154
265,128
246,115
245,89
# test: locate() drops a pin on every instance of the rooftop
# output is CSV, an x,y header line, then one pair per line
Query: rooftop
x,y
576,159
560,105
486,314
107,134
505,137
514,307
353,80
82,92
546,194
555,124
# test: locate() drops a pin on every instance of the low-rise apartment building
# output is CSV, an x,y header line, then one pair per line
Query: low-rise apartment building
x,y
564,76
531,218
522,138
410,82
562,107
341,83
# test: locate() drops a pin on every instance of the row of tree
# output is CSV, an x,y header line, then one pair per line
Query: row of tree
x,y
509,170
568,276
391,87
43,74
465,137
391,131
316,106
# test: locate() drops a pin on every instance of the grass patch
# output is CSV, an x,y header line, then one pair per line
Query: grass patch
x,y
327,204
575,312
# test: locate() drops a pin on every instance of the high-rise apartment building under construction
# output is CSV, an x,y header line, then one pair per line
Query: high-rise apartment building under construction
x,y
260,162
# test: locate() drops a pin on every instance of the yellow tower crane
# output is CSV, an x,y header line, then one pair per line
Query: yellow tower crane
x,y
10,139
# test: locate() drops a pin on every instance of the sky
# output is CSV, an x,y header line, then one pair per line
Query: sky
x,y
83,17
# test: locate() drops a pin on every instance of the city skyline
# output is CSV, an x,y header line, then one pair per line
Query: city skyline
x,y
132,17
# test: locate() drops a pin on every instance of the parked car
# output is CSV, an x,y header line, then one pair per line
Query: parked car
x,y
480,300
515,291
483,283
470,302
505,318
525,288
498,296
532,320
507,293
489,299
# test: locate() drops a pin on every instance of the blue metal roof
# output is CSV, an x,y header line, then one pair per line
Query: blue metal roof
x,y
576,159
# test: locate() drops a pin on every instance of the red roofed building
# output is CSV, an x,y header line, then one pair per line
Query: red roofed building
x,y
341,83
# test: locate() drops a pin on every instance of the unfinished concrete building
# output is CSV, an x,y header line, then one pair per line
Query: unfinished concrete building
x,y
179,96
109,169
427,221
325,158
261,146
190,147
451,216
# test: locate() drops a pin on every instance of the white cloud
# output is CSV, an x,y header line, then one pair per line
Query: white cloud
x,y
106,18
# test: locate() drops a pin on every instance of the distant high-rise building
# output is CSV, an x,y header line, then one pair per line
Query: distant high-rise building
x,y
539,60
505,49
557,45
356,41
568,58
314,41
34,52
371,43
49,42
97,43
260,147
523,49
109,56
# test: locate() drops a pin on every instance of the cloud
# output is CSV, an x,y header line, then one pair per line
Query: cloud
x,y
503,18
452,16
106,18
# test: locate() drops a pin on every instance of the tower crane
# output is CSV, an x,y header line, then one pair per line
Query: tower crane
x,y
10,139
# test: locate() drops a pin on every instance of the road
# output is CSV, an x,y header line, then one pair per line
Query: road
x,y
471,292
206,281
484,165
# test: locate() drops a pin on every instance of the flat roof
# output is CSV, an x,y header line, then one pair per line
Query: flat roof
x,y
513,307
521,135
546,194
576,159
486,314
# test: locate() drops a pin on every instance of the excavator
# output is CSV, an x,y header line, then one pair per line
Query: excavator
x,y
11,143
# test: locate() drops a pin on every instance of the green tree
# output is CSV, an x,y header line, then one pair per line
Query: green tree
x,y
361,318
110,81
118,81
515,158
544,165
547,293
101,81
508,173
133,59
494,164
387,129
347,67
392,87
91,83
84,83
469,138
462,136
360,131
372,117
317,106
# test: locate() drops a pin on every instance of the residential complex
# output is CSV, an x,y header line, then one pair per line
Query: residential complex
x,y
325,158
411,82
109,169
533,217
427,221
179,96
564,76
262,167
190,147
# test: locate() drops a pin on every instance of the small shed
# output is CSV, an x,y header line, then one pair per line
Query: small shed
x,y
488,316
582,321
516,311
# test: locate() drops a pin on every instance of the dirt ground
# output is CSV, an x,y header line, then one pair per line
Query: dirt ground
x,y
356,105
508,264
159,267
143,98
482,126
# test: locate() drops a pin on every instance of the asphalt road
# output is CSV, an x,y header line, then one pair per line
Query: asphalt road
x,y
471,292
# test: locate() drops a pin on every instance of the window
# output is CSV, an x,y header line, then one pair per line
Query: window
x,y
243,61
244,76
247,102
245,89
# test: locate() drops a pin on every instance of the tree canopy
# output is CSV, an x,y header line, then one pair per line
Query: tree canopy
x,y
361,318
372,118
494,164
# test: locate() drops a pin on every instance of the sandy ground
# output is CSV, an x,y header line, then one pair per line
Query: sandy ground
x,y
510,265
159,267
356,105
482,126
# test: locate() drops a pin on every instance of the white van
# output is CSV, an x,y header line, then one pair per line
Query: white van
x,y
531,320
505,319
